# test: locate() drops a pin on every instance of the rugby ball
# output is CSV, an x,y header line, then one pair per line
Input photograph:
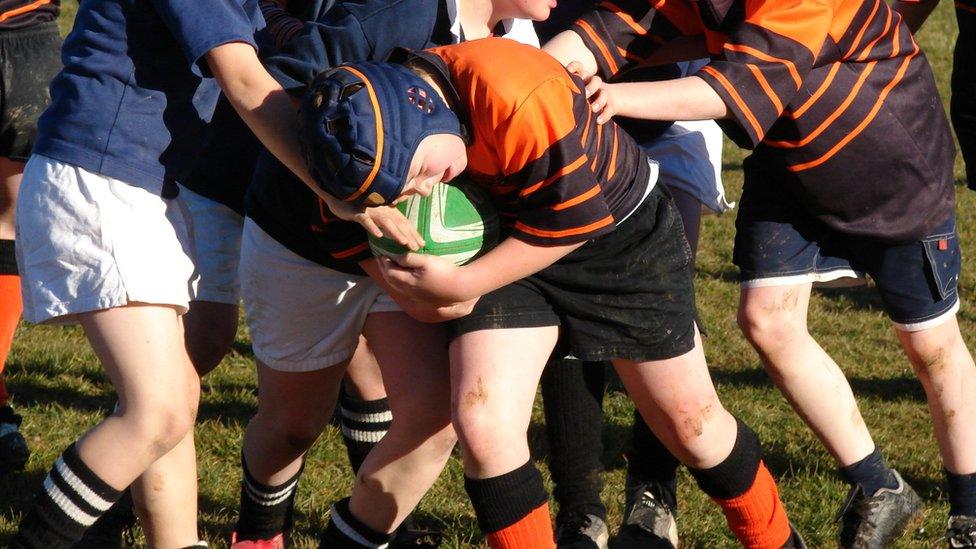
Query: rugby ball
x,y
457,222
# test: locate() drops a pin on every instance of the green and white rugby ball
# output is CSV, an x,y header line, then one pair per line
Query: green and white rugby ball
x,y
457,222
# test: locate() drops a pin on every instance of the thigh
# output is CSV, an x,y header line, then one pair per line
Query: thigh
x,y
678,401
412,357
299,398
495,373
142,350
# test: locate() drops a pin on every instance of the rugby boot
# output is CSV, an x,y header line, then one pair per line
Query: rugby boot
x,y
961,532
649,521
277,542
876,521
582,531
13,447
411,536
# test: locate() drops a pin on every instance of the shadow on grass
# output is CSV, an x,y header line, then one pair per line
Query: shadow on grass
x,y
18,489
890,389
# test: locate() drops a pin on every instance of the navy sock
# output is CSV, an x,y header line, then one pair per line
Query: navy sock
x,y
962,494
871,473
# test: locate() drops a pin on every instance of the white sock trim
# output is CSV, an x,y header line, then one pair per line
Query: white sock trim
x,y
351,533
90,497
65,504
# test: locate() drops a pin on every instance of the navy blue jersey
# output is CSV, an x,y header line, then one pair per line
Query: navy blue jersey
x,y
135,95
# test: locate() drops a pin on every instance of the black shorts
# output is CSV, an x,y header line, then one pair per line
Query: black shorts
x,y
627,294
29,59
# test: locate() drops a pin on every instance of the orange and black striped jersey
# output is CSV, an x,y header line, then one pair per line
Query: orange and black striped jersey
x,y
835,97
556,176
18,14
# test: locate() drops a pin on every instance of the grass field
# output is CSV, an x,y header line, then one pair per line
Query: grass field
x,y
60,389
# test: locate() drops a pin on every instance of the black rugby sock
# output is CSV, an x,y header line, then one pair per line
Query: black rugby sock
x,y
266,511
364,423
345,531
72,499
572,396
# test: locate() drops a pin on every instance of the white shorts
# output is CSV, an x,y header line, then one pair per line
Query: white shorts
x,y
302,316
87,242
216,237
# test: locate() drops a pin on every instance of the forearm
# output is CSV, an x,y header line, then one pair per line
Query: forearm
x,y
689,98
263,105
508,262
914,13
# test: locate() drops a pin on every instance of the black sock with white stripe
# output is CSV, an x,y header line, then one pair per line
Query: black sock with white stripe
x,y
363,423
266,511
346,531
72,499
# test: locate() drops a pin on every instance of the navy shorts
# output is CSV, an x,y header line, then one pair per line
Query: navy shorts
x,y
29,59
917,280
627,294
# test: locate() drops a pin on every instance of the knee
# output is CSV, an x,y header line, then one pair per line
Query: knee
x,y
297,431
770,328
163,425
484,434
938,356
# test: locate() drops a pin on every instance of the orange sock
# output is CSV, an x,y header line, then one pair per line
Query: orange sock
x,y
533,531
10,309
757,517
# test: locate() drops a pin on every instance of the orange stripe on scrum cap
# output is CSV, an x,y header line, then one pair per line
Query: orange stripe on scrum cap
x,y
378,161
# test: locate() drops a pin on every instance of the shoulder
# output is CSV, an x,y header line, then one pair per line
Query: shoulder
x,y
509,73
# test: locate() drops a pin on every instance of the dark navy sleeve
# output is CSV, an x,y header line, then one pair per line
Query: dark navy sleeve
x,y
354,30
199,27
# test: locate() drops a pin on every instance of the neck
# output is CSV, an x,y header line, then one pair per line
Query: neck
x,y
477,18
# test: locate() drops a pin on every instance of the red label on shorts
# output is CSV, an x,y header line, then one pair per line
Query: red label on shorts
x,y
943,244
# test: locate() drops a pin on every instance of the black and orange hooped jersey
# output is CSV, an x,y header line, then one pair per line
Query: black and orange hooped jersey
x,y
556,176
18,14
835,97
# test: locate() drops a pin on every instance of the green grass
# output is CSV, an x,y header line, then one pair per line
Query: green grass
x,y
60,389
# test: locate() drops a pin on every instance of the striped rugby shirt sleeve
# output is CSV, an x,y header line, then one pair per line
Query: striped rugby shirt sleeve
x,y
547,172
624,33
765,59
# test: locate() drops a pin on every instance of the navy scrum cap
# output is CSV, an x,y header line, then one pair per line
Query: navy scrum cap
x,y
361,124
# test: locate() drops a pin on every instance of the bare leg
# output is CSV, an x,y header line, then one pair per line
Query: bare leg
x,y
678,401
143,352
494,376
407,461
945,368
10,174
293,408
774,320
364,380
